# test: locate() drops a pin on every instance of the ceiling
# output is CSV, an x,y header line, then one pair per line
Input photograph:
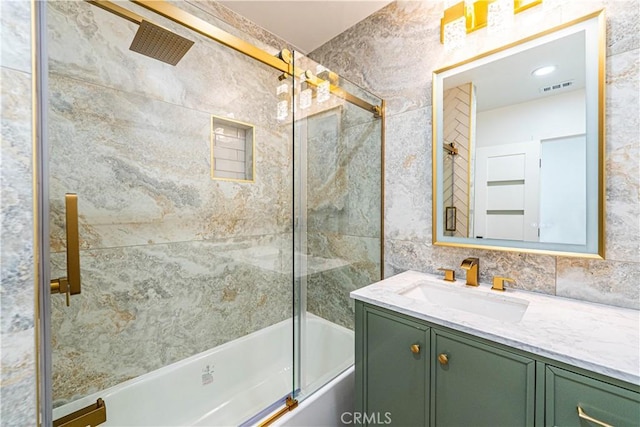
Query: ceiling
x,y
305,24
509,81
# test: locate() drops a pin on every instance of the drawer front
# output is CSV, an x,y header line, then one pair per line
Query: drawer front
x,y
479,385
566,390
396,377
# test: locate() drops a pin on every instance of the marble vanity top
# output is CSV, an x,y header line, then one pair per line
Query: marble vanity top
x,y
600,338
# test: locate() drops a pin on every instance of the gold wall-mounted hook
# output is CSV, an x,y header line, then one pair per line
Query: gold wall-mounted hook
x,y
71,284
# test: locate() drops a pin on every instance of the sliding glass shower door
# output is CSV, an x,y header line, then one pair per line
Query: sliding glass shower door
x,y
182,175
338,147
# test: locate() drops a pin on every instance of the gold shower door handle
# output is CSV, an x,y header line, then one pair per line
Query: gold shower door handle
x,y
71,284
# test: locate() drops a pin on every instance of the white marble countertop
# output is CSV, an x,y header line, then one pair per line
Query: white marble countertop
x,y
599,338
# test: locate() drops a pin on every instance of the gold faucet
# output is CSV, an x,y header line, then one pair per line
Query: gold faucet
x,y
471,265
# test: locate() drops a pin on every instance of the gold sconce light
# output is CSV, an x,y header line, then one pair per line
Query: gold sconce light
x,y
468,16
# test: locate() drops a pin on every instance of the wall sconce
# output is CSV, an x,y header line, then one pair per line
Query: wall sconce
x,y
467,16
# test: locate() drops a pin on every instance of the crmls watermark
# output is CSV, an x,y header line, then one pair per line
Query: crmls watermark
x,y
365,418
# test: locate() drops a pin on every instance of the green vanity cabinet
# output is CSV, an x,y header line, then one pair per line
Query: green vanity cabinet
x,y
475,384
599,400
457,379
392,367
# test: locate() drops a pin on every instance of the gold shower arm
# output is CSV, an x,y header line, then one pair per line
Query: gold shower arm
x,y
70,285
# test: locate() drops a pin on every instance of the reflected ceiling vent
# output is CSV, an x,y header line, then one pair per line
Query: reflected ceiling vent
x,y
557,86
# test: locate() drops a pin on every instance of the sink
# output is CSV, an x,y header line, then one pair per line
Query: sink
x,y
470,300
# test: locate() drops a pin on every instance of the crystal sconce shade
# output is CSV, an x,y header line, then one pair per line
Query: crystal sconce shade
x,y
467,16
499,15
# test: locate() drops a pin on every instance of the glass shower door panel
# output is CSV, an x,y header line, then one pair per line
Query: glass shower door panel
x,y
338,222
186,299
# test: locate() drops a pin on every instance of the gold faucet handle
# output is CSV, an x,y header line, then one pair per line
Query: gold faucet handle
x,y
498,283
449,274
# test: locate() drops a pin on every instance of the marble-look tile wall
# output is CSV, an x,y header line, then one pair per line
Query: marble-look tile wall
x,y
393,54
343,207
164,270
18,357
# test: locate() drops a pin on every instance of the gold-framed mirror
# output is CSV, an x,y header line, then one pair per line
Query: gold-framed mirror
x,y
518,145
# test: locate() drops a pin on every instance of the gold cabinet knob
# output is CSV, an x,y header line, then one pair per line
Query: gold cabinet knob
x,y
415,349
443,359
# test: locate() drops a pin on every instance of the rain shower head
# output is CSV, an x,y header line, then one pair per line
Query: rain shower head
x,y
159,43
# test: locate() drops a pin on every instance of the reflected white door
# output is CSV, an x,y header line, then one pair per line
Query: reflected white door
x,y
507,187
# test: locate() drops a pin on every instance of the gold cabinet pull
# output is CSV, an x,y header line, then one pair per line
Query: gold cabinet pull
x,y
586,417
415,349
71,284
443,359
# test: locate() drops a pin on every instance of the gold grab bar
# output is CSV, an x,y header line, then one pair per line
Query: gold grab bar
x,y
70,285
91,416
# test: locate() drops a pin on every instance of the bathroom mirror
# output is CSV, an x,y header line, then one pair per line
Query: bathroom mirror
x,y
518,145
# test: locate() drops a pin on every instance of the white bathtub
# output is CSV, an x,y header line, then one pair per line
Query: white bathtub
x,y
229,384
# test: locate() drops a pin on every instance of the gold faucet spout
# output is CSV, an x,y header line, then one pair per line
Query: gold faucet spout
x,y
472,265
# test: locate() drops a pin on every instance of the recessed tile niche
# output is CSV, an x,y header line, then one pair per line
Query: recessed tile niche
x,y
232,150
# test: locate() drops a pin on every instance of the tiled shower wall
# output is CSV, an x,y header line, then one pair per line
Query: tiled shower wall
x,y
164,270
393,54
457,106
343,209
18,389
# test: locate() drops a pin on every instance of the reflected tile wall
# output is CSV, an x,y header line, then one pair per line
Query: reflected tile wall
x,y
368,54
164,275
18,358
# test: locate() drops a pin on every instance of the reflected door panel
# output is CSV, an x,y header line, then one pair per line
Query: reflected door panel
x,y
507,191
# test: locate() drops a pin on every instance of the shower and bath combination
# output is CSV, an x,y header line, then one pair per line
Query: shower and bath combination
x,y
243,281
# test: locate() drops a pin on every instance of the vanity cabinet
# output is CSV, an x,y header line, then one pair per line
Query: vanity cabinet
x,y
394,369
475,384
600,401
456,379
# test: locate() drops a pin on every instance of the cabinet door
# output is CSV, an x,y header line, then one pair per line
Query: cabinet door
x,y
480,385
394,381
566,390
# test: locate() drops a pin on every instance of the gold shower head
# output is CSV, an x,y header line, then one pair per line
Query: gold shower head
x,y
159,43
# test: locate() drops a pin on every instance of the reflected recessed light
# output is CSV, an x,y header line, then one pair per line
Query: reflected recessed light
x,y
543,71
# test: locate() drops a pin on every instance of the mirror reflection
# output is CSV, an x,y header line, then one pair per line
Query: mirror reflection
x,y
517,145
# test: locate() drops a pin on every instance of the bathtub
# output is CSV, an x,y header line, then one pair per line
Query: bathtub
x,y
232,384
